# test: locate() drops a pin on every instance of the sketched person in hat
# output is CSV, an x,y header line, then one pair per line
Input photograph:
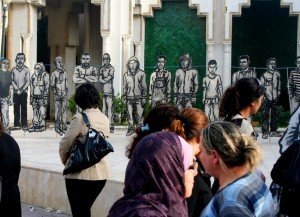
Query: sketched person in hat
x,y
59,86
135,89
186,83
39,89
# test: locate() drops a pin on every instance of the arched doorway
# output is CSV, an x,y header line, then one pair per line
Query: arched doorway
x,y
266,30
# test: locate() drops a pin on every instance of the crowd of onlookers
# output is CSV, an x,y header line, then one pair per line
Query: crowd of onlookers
x,y
172,158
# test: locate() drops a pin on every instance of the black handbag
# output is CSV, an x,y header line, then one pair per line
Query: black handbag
x,y
85,155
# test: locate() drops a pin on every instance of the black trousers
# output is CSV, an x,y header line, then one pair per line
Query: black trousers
x,y
82,194
20,103
267,107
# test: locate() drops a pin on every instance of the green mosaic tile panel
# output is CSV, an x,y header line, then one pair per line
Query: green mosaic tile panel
x,y
175,30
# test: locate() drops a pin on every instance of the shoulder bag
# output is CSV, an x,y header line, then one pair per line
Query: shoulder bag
x,y
85,155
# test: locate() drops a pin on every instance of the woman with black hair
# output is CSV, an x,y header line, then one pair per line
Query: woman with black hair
x,y
241,100
83,187
10,167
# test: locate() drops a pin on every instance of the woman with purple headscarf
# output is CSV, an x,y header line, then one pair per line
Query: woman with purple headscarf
x,y
157,180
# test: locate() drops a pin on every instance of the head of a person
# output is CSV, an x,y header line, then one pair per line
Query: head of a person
x,y
224,147
4,65
271,64
158,161
85,59
161,61
159,118
246,92
106,59
39,68
87,96
298,62
244,61
59,63
189,124
212,67
185,61
20,59
133,64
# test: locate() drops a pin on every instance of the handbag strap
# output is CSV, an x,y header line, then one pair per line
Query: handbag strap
x,y
86,120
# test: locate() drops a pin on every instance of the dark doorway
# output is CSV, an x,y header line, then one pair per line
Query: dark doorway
x,y
266,30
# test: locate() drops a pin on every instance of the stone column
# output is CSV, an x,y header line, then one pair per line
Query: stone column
x,y
126,50
227,64
105,41
209,51
138,53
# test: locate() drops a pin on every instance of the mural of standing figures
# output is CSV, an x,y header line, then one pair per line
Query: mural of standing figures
x,y
244,70
85,72
20,83
294,86
59,86
160,84
6,93
212,91
39,89
271,80
135,90
186,83
106,79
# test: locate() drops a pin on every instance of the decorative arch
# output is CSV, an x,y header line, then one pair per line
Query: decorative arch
x,y
148,6
294,6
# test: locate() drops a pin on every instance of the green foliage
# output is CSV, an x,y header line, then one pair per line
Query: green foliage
x,y
119,108
72,105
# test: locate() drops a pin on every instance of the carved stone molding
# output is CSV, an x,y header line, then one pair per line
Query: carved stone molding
x,y
294,6
148,6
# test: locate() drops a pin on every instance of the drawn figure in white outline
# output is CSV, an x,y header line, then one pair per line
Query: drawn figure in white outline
x,y
106,79
135,90
186,83
59,86
39,89
6,93
160,83
212,91
244,70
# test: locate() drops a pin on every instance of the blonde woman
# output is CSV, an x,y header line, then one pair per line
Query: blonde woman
x,y
231,156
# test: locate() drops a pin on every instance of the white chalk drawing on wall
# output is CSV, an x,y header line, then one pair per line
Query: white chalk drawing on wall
x,y
106,79
20,82
160,83
39,89
59,87
135,90
294,86
244,71
212,91
6,93
271,81
186,83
